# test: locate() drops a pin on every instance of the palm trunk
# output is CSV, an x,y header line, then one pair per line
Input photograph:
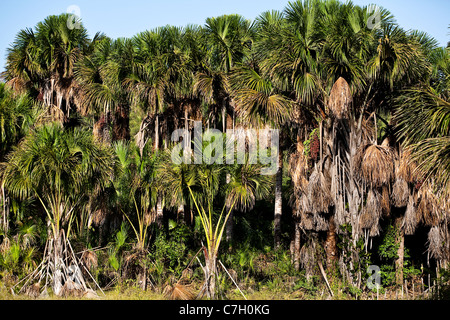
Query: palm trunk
x,y
400,252
297,245
121,126
210,271
331,244
5,213
157,132
278,202
230,222
57,256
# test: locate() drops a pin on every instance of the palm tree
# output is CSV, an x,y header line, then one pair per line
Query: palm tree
x,y
245,185
151,81
176,180
58,168
136,187
425,137
101,75
258,101
17,113
228,41
44,59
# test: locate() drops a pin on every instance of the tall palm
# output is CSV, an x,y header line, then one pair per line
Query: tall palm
x,y
259,102
101,75
58,168
45,58
17,112
158,70
176,180
245,185
228,41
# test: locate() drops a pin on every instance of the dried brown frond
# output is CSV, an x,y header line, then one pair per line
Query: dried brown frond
x,y
410,220
72,289
375,230
400,193
89,259
340,100
340,214
405,168
307,221
428,209
307,257
179,292
436,239
320,222
297,170
371,212
33,291
375,164
99,217
318,193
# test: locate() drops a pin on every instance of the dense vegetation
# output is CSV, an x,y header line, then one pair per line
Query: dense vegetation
x,y
90,197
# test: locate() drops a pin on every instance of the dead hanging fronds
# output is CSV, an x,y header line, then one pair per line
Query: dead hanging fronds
x,y
320,222
436,242
340,100
309,255
318,193
340,214
371,213
410,220
306,221
428,210
400,193
375,165
406,167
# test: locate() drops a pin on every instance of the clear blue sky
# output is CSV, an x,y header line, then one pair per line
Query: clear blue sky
x,y
125,18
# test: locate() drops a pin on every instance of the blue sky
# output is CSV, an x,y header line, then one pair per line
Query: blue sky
x,y
125,18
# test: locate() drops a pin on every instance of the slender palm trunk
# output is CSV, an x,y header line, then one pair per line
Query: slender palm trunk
x,y
230,222
278,201
331,244
57,264
157,132
297,245
210,271
400,252
5,211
